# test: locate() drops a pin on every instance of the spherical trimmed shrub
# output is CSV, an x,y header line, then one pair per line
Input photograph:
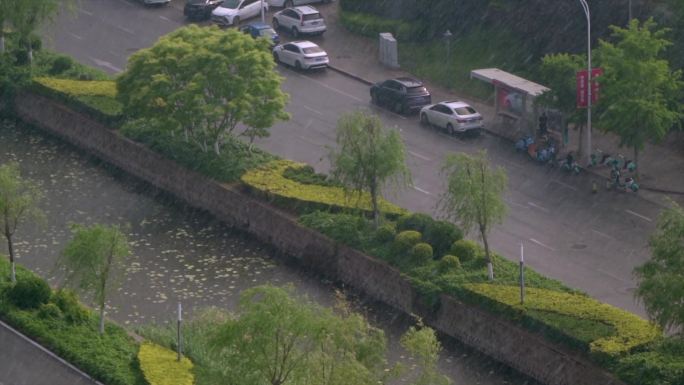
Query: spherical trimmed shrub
x,y
61,64
465,250
421,253
441,235
416,221
449,263
29,292
405,240
49,311
67,302
385,233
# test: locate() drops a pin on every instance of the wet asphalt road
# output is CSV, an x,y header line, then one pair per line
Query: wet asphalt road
x,y
178,252
591,242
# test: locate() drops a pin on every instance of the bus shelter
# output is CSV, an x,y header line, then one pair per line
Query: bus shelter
x,y
517,113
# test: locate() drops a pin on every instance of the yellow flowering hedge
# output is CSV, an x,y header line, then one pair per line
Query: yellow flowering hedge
x,y
96,97
159,366
268,180
630,330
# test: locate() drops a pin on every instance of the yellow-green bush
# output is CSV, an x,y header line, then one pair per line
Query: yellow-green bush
x,y
95,97
268,180
159,366
630,330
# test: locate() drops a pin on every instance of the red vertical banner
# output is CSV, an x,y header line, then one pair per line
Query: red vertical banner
x,y
581,89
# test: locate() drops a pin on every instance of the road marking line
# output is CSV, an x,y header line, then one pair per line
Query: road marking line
x,y
76,36
304,138
165,18
639,215
125,29
312,110
565,185
541,244
105,64
603,234
517,204
83,11
330,88
421,190
417,155
538,207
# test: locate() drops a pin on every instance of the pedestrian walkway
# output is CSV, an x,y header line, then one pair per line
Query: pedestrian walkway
x,y
661,167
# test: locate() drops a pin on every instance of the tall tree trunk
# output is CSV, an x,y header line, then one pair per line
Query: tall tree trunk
x,y
374,204
490,266
2,41
10,249
636,162
217,148
581,141
30,54
102,317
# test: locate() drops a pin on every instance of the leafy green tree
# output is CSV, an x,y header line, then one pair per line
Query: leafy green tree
x,y
558,72
422,344
27,16
640,95
278,339
93,261
661,279
19,199
474,195
203,83
368,157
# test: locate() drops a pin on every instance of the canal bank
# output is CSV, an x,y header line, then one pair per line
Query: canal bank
x,y
179,252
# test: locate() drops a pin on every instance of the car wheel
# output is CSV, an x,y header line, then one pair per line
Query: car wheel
x,y
374,98
236,21
450,129
275,57
399,108
298,65
295,32
289,4
424,119
276,24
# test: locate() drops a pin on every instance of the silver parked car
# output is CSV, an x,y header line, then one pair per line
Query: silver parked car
x,y
301,55
300,20
293,3
454,117
230,12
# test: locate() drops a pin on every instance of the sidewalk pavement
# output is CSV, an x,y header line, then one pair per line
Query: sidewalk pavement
x,y
661,167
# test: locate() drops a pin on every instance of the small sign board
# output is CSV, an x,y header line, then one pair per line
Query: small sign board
x,y
582,83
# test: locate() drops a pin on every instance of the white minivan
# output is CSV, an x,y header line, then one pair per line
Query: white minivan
x,y
300,20
230,12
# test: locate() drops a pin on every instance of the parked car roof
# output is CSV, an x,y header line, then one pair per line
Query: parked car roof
x,y
306,9
304,43
409,82
259,25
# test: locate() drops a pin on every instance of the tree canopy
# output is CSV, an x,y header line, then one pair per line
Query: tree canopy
x,y
474,195
203,83
640,95
661,279
368,157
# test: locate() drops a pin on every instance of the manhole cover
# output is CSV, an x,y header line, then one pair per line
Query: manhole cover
x,y
579,246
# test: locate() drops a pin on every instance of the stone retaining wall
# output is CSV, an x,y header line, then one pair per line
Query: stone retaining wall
x,y
496,337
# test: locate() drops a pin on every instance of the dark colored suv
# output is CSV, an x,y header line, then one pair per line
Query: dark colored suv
x,y
200,9
402,95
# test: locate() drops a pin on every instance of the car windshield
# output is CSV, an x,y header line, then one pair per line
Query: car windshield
x,y
416,90
232,4
467,110
267,32
312,50
312,16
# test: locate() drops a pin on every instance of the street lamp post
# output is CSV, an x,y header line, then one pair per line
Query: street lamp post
x,y
585,7
447,36
263,16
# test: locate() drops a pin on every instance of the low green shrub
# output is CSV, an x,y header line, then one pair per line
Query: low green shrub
x,y
49,310
441,235
466,250
60,65
405,240
160,367
268,181
449,263
370,25
414,221
68,304
385,233
96,98
346,228
29,293
307,175
662,364
421,253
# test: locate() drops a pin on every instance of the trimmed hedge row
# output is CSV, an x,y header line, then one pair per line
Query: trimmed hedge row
x,y
94,97
160,367
110,358
630,331
369,25
269,181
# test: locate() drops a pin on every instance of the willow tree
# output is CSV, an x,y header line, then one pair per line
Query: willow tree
x,y
19,199
474,195
93,261
368,157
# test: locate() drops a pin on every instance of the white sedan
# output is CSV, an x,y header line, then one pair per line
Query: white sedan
x,y
454,117
301,55
230,12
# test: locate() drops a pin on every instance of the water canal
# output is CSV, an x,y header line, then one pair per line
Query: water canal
x,y
178,252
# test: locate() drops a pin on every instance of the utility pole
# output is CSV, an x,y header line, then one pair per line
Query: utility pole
x,y
263,16
585,7
180,340
630,10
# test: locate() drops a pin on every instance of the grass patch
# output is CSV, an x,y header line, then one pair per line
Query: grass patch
x,y
160,366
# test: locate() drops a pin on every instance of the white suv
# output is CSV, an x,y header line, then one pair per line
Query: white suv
x,y
300,20
301,55
230,12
